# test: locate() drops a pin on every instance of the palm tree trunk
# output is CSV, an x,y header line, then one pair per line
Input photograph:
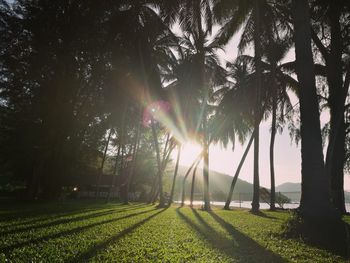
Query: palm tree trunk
x,y
195,163
234,180
257,57
164,163
315,197
160,183
193,182
175,174
335,157
97,193
272,145
114,175
134,155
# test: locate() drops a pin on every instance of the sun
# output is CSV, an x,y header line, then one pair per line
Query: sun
x,y
189,153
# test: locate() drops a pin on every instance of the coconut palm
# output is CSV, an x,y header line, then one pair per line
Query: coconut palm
x,y
259,19
233,14
276,84
183,77
195,19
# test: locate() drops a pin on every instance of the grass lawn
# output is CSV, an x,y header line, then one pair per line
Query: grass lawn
x,y
84,232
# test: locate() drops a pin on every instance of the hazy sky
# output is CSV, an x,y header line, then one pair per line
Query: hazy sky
x,y
287,154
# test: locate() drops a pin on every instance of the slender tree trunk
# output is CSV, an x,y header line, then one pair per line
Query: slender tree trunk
x,y
272,147
315,198
195,163
134,155
100,172
175,174
206,171
257,57
234,180
160,182
193,182
114,175
164,163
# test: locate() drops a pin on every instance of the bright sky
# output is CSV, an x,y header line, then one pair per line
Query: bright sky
x,y
287,154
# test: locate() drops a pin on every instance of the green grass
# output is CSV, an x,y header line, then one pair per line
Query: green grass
x,y
83,232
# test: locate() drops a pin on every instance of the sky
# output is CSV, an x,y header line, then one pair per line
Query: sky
x,y
287,153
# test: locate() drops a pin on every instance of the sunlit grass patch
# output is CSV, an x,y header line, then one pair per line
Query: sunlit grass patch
x,y
78,232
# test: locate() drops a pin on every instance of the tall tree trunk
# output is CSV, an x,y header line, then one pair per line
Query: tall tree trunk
x,y
100,172
160,181
272,146
335,156
193,182
315,197
114,174
134,155
195,163
204,121
257,57
164,163
175,174
234,180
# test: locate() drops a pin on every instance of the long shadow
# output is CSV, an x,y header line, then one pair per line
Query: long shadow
x,y
7,249
58,222
100,246
262,214
241,248
246,241
50,215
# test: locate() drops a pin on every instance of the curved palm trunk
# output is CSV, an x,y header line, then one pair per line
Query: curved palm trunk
x,y
272,145
234,180
175,175
193,182
97,193
195,163
257,57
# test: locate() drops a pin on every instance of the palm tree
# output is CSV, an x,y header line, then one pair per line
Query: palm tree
x,y
234,113
195,18
276,84
260,20
237,12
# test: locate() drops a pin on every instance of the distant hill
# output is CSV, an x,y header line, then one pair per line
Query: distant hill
x,y
289,187
293,191
219,185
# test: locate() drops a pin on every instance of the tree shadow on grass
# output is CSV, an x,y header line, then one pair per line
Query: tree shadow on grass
x,y
9,248
262,214
240,248
47,215
57,222
100,246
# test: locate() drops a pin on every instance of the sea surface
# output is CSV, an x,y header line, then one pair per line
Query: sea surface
x,y
248,204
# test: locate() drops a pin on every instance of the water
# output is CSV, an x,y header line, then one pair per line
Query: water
x,y
248,204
